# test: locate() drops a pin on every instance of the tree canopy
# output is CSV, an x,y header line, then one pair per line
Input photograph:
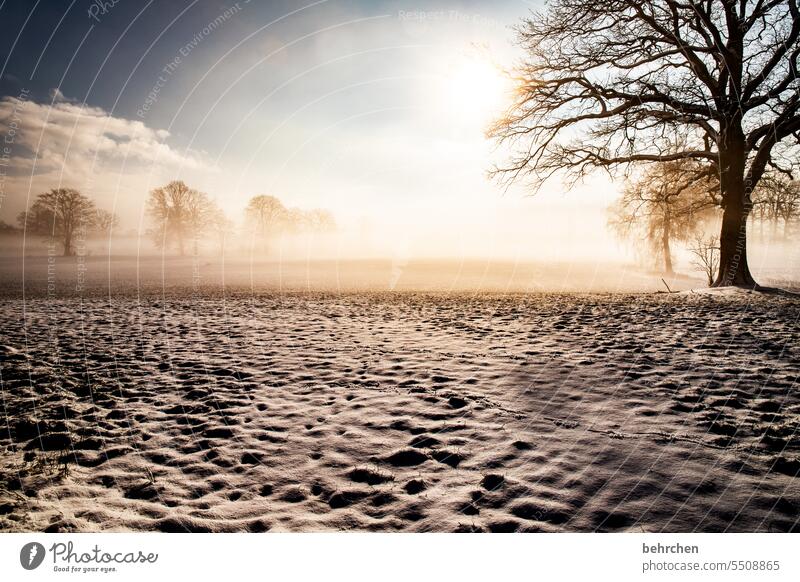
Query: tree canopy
x,y
62,212
180,213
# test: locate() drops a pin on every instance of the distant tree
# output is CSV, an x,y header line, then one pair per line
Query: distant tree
x,y
316,220
267,217
166,207
59,213
223,229
607,83
667,203
776,202
319,220
38,220
295,220
265,214
200,215
103,222
179,213
706,255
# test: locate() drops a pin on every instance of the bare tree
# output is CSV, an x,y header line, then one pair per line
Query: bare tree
x,y
609,82
265,216
59,213
668,202
706,256
265,213
315,220
319,220
295,220
168,208
223,228
38,219
199,216
104,222
776,202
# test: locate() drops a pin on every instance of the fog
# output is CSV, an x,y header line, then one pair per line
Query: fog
x,y
481,240
538,249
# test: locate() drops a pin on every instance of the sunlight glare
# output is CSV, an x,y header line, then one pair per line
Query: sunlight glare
x,y
476,91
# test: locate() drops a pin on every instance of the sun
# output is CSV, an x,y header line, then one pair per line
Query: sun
x,y
476,90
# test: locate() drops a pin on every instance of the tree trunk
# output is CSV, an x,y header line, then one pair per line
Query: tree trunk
x,y
67,242
665,248
736,204
733,267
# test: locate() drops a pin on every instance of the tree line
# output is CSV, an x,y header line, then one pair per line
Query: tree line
x,y
180,219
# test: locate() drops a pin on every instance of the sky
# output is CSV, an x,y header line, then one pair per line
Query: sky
x,y
375,110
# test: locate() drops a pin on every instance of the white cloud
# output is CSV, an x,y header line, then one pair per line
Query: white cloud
x,y
114,160
72,139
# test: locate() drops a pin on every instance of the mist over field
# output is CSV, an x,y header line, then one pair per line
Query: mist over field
x,y
555,250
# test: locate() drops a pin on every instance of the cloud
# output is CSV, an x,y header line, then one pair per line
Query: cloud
x,y
57,95
72,139
113,160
